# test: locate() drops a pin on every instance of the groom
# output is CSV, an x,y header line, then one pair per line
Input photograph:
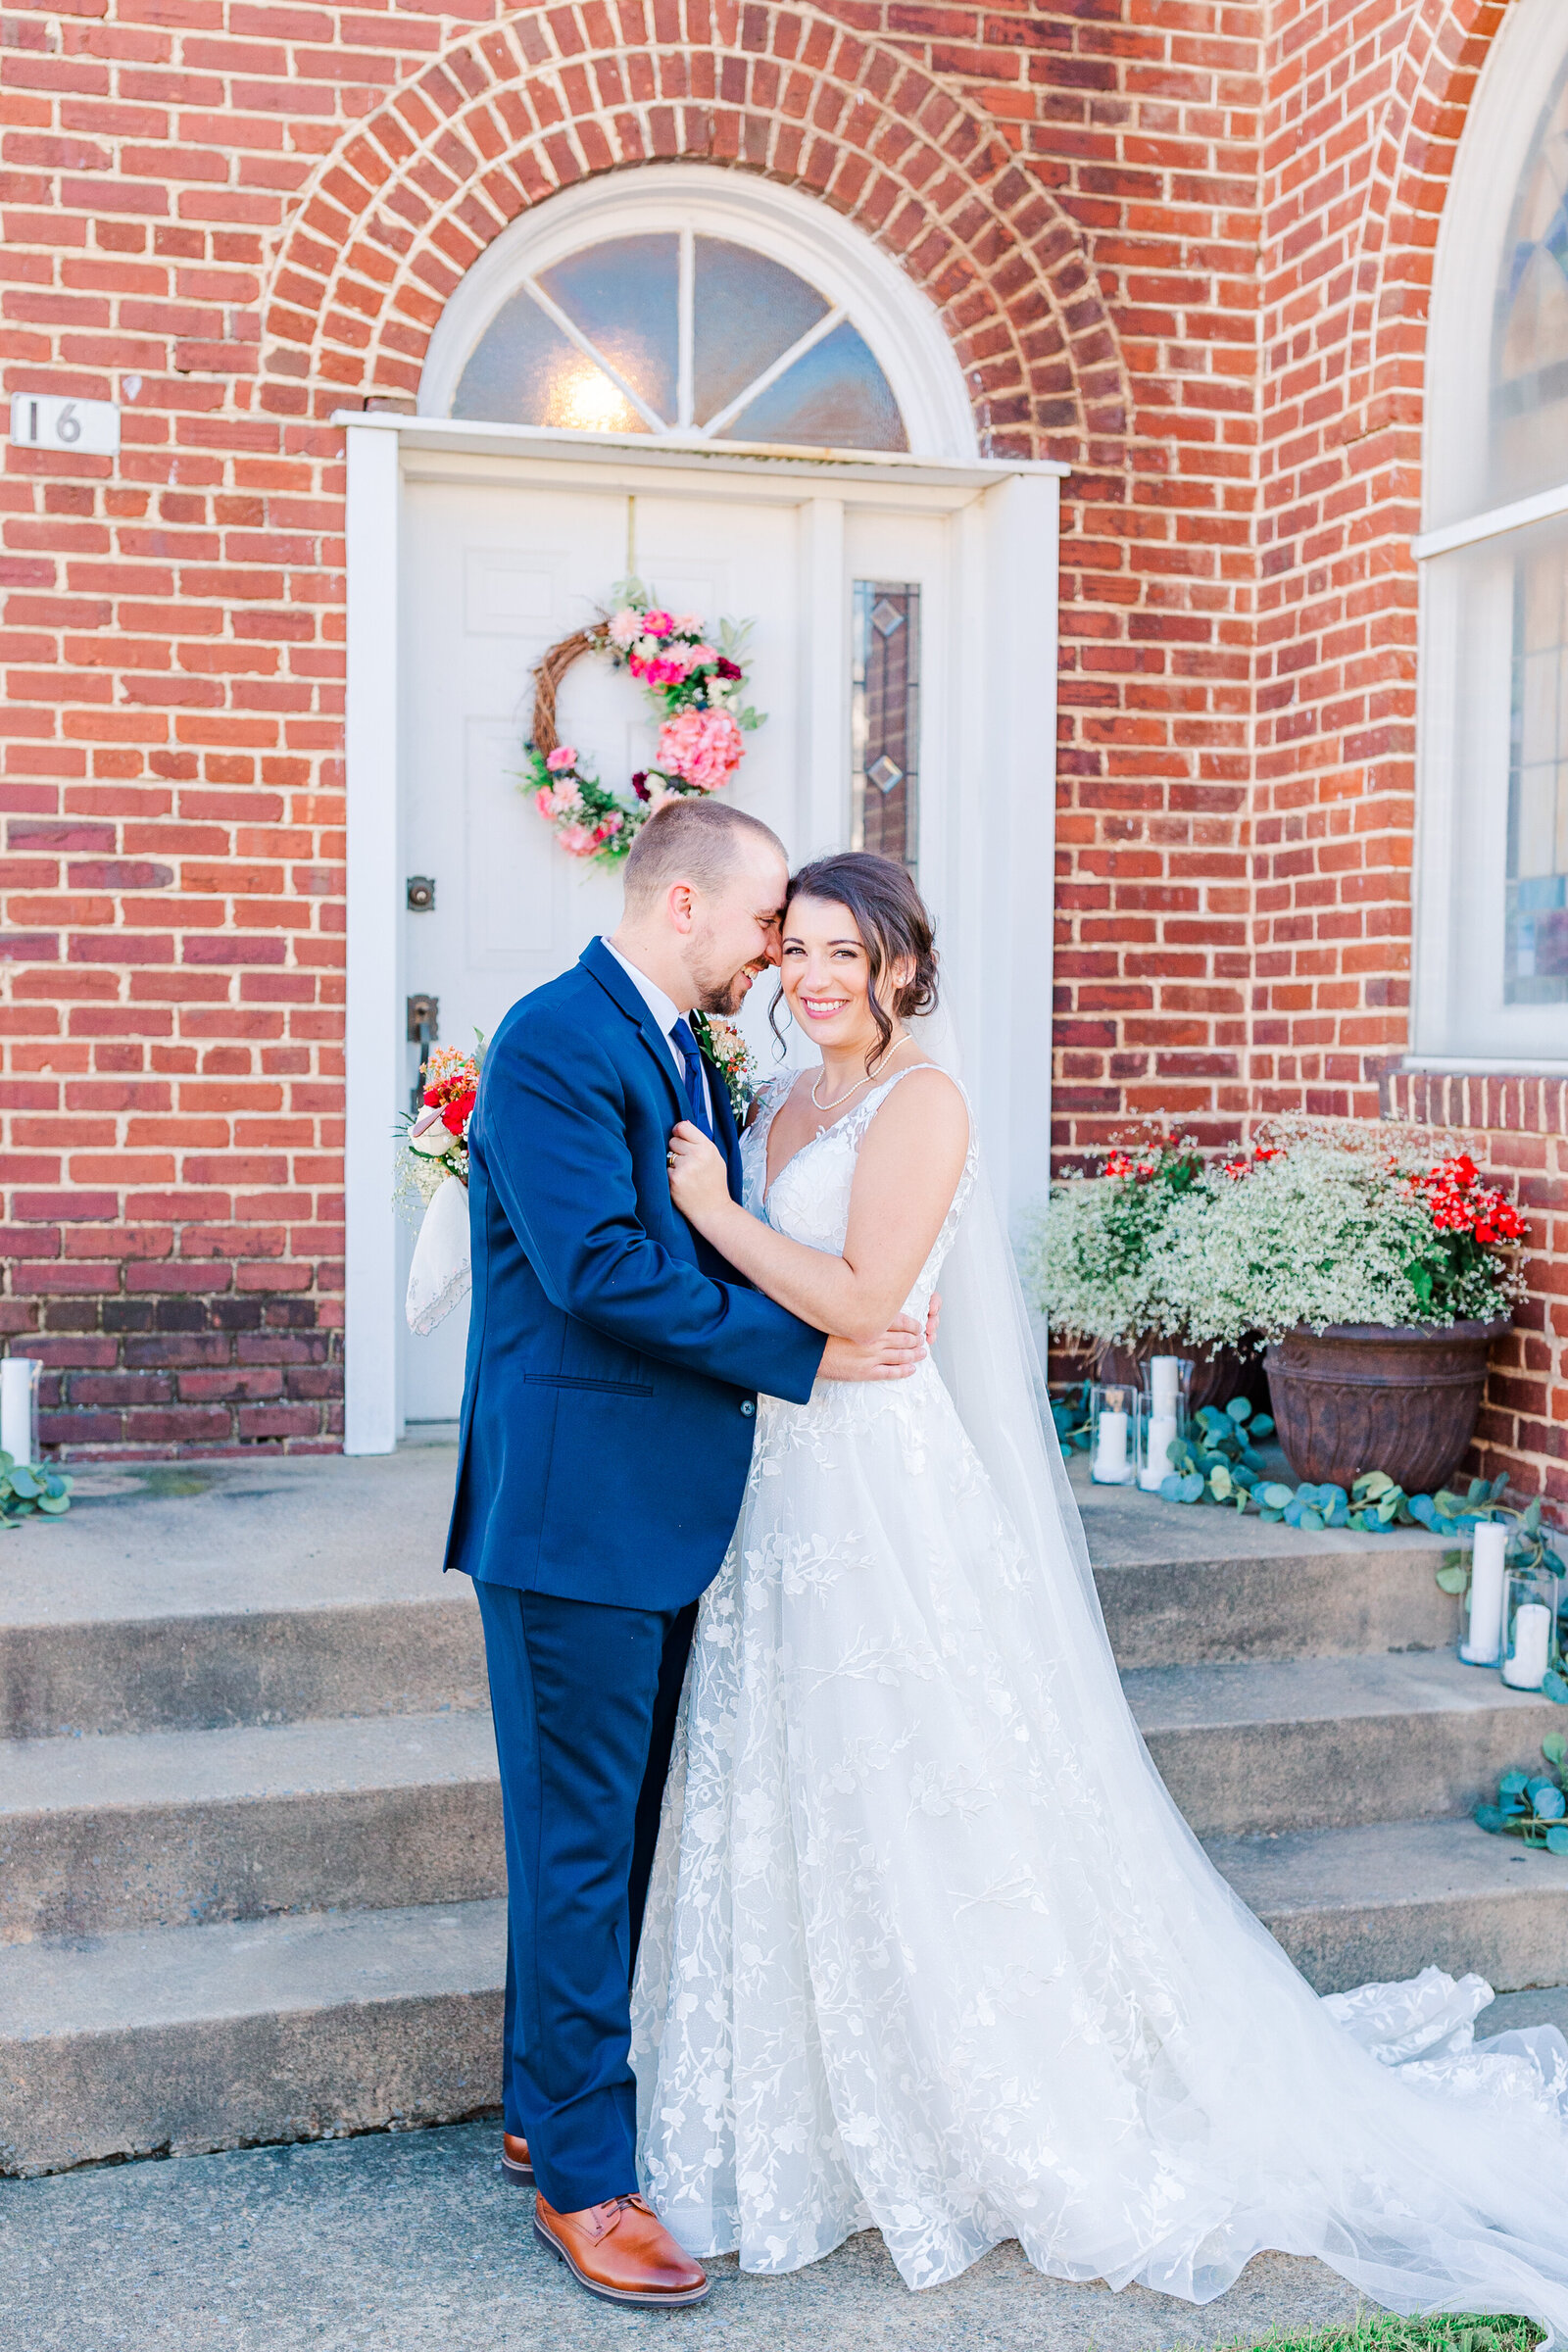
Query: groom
x,y
608,1404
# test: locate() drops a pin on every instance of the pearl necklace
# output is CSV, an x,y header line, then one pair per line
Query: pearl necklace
x,y
868,1080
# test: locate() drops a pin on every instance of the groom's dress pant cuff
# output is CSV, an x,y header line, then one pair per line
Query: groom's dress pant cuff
x,y
575,1687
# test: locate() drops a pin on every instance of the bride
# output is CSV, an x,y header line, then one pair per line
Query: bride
x,y
928,1947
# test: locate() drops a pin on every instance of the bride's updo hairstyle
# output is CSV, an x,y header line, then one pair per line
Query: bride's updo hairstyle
x,y
894,924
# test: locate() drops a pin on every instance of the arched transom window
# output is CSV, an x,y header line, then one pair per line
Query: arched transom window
x,y
1492,943
680,333
684,302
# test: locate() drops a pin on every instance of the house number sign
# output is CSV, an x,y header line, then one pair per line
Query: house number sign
x,y
49,420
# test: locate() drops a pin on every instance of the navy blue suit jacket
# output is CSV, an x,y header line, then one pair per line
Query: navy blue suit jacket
x,y
609,1399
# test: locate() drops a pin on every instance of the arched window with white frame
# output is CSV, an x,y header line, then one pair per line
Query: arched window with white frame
x,y
686,302
1491,931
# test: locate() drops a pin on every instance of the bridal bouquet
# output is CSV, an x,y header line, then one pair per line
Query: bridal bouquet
x,y
431,1186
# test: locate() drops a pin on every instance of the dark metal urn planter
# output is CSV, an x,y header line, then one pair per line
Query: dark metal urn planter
x,y
1358,1396
1217,1376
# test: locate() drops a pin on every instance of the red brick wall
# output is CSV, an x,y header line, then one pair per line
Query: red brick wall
x,y
1180,243
1519,1127
259,211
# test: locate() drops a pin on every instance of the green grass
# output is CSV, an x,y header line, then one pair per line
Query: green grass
x,y
1380,2332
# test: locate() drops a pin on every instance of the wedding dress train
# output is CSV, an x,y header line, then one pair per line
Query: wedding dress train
x,y
929,1948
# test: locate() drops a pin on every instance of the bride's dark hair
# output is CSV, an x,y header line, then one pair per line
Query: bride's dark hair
x,y
894,924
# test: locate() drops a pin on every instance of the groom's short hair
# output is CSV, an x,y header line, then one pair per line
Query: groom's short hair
x,y
697,840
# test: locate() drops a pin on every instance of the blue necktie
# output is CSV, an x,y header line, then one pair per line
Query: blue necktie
x,y
685,1045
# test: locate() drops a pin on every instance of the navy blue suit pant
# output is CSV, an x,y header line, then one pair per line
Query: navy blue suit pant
x,y
585,1697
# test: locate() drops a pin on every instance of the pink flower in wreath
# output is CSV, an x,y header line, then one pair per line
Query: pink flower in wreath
x,y
625,626
703,747
561,759
658,624
577,839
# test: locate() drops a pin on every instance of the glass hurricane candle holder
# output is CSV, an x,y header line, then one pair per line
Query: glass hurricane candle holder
x,y
1481,1642
19,1408
1115,1426
1167,1389
1529,1625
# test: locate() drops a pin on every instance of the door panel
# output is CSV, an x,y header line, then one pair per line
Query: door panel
x,y
494,574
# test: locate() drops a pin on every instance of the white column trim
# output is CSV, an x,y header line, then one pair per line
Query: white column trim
x,y
825,675
1021,519
375,1052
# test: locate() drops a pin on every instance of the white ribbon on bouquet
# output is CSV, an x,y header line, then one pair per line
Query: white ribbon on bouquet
x,y
442,1272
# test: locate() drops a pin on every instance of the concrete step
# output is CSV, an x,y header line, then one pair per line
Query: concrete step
x,y
186,2038
1369,1905
1329,1742
163,1829
186,1596
1192,1586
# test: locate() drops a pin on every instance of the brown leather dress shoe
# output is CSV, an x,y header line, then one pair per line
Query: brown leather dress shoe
x,y
517,2164
623,2251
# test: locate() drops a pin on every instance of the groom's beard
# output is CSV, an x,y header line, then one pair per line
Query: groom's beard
x,y
726,998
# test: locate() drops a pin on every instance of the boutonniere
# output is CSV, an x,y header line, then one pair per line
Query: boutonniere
x,y
731,1058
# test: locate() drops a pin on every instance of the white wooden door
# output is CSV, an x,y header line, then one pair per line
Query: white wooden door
x,y
495,572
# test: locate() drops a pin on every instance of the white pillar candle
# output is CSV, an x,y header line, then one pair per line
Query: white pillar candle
x,y
1111,1449
1164,1382
17,1376
1483,1643
1526,1670
1162,1438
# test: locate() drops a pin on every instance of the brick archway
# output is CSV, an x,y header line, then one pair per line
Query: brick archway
x,y
507,117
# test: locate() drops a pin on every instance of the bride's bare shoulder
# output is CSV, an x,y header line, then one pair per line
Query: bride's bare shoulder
x,y
927,1103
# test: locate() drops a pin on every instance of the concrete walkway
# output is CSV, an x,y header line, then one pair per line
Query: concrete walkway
x,y
410,2243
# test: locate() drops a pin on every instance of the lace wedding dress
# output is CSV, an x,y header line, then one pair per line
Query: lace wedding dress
x,y
928,1949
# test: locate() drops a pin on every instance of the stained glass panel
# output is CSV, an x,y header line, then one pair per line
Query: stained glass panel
x,y
885,719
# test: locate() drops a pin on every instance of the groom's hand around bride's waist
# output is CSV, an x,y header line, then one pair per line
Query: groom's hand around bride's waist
x,y
894,1356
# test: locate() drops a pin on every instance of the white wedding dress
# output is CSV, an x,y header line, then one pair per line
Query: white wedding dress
x,y
928,1947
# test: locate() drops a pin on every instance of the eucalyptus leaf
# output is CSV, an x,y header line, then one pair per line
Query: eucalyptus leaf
x,y
1555,1687
1312,1520
1555,1747
1275,1495
1489,1818
24,1483
1557,1841
1452,1580
1192,1487
1238,1409
1262,1426
54,1505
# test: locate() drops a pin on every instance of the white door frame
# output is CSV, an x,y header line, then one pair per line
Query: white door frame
x,y
996,934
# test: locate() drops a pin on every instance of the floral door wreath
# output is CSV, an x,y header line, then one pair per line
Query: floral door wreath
x,y
694,684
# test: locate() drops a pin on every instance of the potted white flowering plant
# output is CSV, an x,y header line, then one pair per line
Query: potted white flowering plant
x,y
1376,1279
1090,1265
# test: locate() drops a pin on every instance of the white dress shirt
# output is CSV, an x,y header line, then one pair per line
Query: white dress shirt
x,y
667,1012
